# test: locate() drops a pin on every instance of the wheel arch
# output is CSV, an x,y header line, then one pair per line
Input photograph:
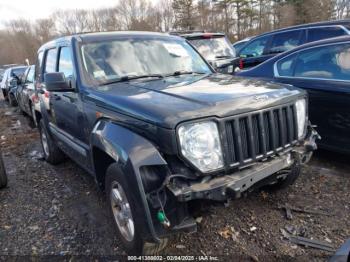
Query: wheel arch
x,y
113,143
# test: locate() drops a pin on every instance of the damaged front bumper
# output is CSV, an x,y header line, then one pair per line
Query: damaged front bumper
x,y
221,188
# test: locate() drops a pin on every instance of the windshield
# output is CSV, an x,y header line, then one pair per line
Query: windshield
x,y
214,48
113,60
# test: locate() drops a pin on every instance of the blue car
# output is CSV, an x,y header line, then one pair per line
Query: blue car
x,y
323,69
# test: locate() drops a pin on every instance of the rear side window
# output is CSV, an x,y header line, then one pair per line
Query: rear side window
x,y
325,62
50,64
315,34
65,64
255,48
285,41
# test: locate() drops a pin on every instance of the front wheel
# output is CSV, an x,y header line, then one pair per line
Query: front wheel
x,y
123,209
3,177
52,153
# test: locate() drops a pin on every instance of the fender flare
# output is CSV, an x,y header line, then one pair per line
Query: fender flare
x,y
131,151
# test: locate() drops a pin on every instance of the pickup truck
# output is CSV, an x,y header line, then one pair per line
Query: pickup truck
x,y
157,128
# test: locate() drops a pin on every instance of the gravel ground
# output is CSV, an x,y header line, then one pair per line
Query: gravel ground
x,y
58,210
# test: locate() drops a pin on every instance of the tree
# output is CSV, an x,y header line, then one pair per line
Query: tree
x,y
185,14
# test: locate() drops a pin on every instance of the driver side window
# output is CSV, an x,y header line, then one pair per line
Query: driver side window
x,y
255,48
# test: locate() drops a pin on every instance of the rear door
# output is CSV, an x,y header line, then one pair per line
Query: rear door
x,y
21,89
325,73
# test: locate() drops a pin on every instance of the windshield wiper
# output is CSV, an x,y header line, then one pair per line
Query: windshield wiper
x,y
132,77
177,73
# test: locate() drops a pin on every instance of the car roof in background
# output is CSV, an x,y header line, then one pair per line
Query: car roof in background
x,y
17,67
93,36
345,22
195,35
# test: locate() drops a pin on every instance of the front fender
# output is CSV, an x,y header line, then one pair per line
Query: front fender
x,y
131,151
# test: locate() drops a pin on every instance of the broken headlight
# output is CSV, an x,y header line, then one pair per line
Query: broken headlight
x,y
200,144
301,116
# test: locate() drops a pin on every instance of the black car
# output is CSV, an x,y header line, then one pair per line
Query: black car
x,y
156,127
323,69
265,46
10,81
214,47
27,97
3,176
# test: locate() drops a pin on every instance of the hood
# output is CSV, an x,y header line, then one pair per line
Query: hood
x,y
167,102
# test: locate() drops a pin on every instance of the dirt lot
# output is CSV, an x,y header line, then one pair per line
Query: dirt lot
x,y
58,210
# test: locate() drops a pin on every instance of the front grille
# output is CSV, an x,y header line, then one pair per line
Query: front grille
x,y
260,134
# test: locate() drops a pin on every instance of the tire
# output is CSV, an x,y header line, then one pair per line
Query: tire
x,y
35,122
3,177
133,243
289,180
12,100
5,95
52,153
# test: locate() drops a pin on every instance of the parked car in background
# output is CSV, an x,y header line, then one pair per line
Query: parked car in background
x,y
239,44
265,46
10,81
156,127
3,69
3,176
323,69
214,47
27,98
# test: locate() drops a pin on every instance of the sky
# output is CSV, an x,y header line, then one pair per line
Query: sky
x,y
33,9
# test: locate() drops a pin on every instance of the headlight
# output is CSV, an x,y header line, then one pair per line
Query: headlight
x,y
301,116
200,144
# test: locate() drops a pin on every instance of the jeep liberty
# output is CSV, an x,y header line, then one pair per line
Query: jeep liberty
x,y
157,128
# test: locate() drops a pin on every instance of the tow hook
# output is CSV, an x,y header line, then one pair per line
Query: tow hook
x,y
163,219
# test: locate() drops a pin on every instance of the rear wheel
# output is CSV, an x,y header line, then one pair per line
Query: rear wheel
x,y
52,153
123,210
5,95
3,177
12,100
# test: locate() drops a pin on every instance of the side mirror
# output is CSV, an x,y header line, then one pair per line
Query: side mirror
x,y
56,82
